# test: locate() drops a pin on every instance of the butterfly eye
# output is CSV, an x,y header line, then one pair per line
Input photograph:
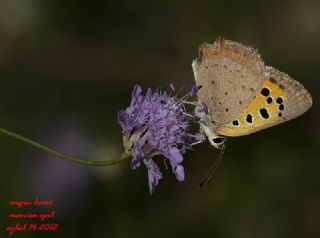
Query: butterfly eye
x,y
217,141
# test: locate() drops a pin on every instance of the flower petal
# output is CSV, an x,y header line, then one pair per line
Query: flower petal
x,y
154,174
136,91
135,163
175,155
122,117
179,172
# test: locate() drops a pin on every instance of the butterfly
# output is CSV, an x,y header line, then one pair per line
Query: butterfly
x,y
241,94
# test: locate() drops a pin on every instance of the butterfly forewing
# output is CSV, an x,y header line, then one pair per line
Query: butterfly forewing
x,y
231,75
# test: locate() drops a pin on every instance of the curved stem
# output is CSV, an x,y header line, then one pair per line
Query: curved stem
x,y
117,160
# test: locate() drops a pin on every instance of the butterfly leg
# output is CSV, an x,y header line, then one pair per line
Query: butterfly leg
x,y
194,103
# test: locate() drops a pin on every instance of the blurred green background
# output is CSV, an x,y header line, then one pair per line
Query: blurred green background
x,y
68,66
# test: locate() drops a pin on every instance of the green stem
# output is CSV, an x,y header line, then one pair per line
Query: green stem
x,y
117,160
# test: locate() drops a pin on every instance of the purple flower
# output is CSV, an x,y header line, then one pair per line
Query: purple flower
x,y
157,124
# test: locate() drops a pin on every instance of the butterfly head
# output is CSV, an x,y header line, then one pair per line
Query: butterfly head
x,y
217,141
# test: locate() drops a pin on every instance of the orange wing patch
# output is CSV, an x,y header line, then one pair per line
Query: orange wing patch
x,y
265,110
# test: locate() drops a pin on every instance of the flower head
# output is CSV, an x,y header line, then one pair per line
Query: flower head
x,y
156,124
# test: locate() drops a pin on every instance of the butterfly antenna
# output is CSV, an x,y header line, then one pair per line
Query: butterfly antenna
x,y
206,180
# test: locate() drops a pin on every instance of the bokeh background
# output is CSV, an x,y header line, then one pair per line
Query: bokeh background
x,y
68,66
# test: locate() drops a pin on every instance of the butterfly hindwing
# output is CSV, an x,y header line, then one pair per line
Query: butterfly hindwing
x,y
279,99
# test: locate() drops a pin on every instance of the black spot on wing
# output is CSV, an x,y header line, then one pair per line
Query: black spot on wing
x,y
235,123
279,100
269,100
265,92
249,118
281,107
264,113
